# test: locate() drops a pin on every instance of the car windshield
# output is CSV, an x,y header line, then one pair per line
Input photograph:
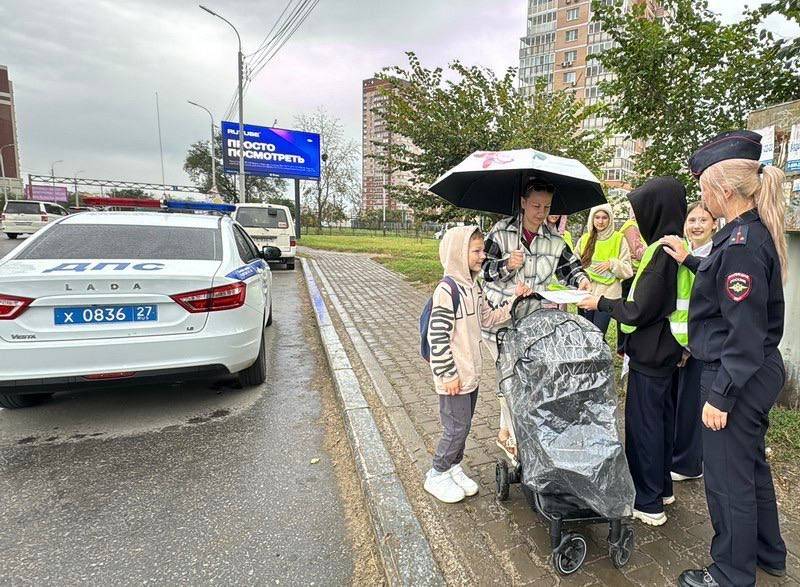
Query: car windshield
x,y
22,208
262,217
114,241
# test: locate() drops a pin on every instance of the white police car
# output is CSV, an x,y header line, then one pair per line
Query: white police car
x,y
107,296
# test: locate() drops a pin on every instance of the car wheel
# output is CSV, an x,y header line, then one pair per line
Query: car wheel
x,y
269,318
13,401
11,235
256,373
290,265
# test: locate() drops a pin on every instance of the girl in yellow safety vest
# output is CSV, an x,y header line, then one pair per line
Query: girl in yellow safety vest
x,y
687,455
607,259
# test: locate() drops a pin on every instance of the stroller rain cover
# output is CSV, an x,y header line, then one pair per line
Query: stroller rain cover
x,y
556,374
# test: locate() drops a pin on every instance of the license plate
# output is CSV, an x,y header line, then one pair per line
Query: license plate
x,y
105,314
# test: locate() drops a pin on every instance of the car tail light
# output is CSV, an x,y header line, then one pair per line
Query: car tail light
x,y
224,297
12,306
292,242
45,218
109,376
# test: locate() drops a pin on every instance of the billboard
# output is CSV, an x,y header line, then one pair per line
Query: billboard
x,y
46,193
274,152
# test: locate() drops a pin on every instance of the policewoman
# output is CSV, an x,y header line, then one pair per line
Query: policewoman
x,y
735,324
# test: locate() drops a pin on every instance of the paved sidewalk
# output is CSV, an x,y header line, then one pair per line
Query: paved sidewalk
x,y
511,541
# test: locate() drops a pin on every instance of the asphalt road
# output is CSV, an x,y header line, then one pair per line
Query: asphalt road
x,y
179,484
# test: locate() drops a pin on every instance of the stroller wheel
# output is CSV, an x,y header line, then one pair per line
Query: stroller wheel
x,y
570,554
621,551
501,480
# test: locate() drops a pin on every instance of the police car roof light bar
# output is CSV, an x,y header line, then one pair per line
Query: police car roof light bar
x,y
199,206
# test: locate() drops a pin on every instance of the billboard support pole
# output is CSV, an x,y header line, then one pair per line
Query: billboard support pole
x,y
297,223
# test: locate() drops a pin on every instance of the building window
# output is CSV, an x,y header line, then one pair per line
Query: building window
x,y
573,13
570,77
572,35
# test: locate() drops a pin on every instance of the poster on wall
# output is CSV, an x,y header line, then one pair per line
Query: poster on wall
x,y
793,156
767,144
793,207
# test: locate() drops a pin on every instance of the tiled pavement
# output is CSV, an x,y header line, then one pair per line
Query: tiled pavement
x,y
498,542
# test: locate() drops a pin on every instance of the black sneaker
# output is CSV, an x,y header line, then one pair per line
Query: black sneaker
x,y
772,571
697,578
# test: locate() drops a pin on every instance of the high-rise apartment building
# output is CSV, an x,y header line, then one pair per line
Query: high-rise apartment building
x,y
559,41
374,176
10,181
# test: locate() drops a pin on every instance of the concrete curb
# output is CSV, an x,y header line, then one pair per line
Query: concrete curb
x,y
406,554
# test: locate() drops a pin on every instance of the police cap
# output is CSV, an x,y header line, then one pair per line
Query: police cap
x,y
735,144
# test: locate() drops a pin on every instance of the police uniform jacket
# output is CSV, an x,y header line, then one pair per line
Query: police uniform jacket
x,y
736,310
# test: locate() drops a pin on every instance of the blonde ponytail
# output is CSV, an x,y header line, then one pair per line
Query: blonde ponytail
x,y
772,209
765,189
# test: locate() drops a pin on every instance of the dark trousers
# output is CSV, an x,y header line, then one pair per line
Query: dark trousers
x,y
739,490
649,433
455,413
621,336
687,453
598,318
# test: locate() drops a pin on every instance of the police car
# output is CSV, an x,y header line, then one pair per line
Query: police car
x,y
108,296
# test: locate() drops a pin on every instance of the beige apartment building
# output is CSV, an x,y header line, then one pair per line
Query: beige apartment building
x,y
560,38
374,177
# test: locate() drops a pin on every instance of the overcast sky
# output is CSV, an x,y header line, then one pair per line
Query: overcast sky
x,y
85,72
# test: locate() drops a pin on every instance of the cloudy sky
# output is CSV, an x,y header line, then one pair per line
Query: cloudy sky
x,y
85,72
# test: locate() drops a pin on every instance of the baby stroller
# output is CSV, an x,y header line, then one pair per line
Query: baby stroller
x,y
556,375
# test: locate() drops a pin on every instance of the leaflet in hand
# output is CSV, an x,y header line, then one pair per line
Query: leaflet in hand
x,y
564,296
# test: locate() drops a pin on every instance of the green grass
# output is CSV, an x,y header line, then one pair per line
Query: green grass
x,y
784,434
416,259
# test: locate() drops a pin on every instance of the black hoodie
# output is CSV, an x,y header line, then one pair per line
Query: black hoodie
x,y
660,209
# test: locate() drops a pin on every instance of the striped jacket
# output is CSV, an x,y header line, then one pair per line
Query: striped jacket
x,y
546,257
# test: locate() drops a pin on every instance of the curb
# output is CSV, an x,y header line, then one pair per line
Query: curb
x,y
405,552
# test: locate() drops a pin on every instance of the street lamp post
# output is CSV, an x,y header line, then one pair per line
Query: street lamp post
x,y
75,179
52,177
242,193
213,162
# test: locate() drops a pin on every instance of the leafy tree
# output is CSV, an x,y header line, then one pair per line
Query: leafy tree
x,y
682,79
448,119
198,166
790,9
340,183
135,193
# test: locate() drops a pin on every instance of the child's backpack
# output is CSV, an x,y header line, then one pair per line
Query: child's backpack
x,y
425,318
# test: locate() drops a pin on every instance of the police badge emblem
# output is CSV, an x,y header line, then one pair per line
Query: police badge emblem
x,y
738,286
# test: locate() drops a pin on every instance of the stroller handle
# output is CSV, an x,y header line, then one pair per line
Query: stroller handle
x,y
518,301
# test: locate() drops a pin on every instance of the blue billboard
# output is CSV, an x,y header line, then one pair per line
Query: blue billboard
x,y
274,152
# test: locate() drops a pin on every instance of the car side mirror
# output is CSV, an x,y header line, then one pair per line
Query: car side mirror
x,y
270,253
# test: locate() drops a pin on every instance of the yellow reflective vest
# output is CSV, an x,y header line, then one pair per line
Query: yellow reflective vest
x,y
604,250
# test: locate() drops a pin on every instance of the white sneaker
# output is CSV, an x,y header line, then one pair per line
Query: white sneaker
x,y
669,500
465,483
443,487
678,477
650,519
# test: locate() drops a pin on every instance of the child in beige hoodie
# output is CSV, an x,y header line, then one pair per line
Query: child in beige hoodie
x,y
455,343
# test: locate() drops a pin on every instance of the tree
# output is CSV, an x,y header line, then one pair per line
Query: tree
x,y
135,193
790,9
340,183
680,80
447,120
198,166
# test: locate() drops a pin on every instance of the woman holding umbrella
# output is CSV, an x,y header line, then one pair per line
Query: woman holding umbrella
x,y
524,249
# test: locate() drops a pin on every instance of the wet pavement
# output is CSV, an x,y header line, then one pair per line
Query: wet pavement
x,y
483,541
190,483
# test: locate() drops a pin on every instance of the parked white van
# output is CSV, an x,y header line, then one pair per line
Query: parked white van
x,y
269,225
28,216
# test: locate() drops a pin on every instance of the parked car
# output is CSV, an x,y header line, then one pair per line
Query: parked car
x,y
270,225
103,297
28,216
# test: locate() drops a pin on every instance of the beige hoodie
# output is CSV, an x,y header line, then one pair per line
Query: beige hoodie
x,y
456,340
621,267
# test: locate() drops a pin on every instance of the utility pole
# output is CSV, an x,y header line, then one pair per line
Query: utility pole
x,y
160,148
52,178
240,60
77,196
213,160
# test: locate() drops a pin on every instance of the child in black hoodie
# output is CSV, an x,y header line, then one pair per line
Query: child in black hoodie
x,y
659,206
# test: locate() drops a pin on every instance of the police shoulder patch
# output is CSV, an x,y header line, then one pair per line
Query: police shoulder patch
x,y
738,286
739,235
